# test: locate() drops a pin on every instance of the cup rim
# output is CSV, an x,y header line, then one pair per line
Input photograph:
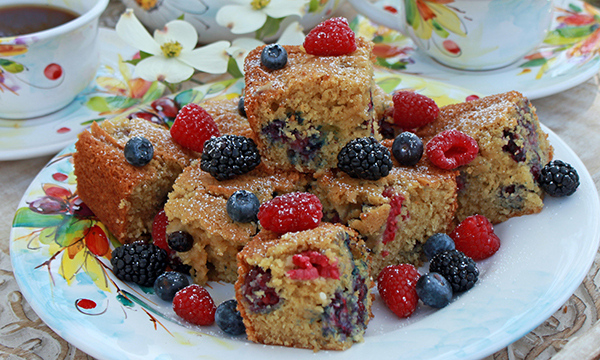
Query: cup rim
x,y
82,19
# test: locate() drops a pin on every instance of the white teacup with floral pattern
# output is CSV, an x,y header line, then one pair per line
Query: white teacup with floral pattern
x,y
466,34
44,71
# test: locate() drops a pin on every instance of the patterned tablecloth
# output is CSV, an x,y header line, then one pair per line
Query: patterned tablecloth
x,y
574,115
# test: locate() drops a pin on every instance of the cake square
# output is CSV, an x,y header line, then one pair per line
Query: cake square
x,y
304,113
501,182
307,289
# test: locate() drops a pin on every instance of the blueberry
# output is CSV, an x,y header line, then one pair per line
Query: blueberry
x,y
241,108
436,244
138,151
273,57
168,283
407,148
180,241
434,290
243,206
229,319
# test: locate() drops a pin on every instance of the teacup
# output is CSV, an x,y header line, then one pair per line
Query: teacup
x,y
466,34
42,72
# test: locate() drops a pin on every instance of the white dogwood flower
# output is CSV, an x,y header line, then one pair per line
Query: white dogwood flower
x,y
247,16
174,56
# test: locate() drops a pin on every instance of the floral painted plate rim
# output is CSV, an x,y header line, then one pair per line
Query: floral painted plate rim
x,y
569,55
65,276
112,91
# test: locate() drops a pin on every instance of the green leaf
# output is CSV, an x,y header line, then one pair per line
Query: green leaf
x,y
71,230
125,301
354,23
121,102
575,8
398,65
25,217
153,93
411,12
233,69
188,97
389,84
143,55
534,63
439,30
88,122
219,86
11,66
47,235
554,38
270,28
313,6
98,104
575,31
180,17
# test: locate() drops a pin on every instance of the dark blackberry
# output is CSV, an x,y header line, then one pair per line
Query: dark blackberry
x,y
434,290
407,148
261,298
168,283
365,158
138,151
228,318
558,179
460,270
229,155
273,57
437,243
180,241
241,108
139,262
243,206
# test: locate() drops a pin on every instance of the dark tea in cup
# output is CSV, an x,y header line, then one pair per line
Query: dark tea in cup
x,y
18,20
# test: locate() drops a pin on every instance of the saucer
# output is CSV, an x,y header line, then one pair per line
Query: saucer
x,y
112,92
567,57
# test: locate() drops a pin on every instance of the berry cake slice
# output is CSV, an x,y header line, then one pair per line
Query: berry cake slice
x,y
307,289
501,182
125,197
395,214
198,206
305,112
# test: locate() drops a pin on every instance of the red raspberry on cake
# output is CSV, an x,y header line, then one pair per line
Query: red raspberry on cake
x,y
413,110
193,126
475,237
291,212
194,304
332,37
397,287
451,149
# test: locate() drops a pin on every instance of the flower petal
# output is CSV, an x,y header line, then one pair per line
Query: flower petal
x,y
131,30
241,19
240,48
282,8
292,35
212,59
162,69
179,31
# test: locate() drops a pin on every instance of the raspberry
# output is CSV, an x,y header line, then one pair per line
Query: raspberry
x,y
291,212
332,37
159,231
192,127
194,304
412,110
261,297
451,149
397,287
475,237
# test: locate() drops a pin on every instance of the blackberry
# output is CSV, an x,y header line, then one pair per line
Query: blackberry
x,y
434,290
437,243
243,206
138,151
139,262
407,148
460,270
168,283
229,155
241,108
180,241
273,57
228,318
558,179
365,158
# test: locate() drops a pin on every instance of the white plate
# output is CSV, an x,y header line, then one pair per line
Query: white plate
x,y
542,260
556,69
46,135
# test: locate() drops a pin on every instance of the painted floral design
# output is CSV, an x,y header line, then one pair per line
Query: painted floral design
x,y
573,42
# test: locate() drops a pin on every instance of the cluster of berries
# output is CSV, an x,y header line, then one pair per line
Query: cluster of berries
x,y
452,268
